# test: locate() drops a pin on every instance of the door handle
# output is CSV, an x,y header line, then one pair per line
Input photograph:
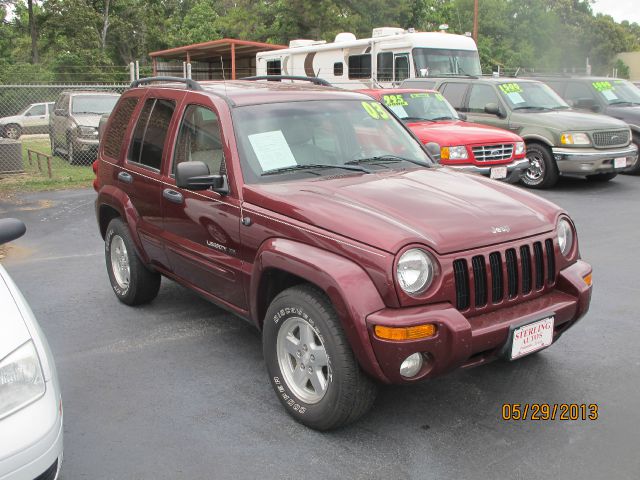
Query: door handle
x,y
125,177
172,196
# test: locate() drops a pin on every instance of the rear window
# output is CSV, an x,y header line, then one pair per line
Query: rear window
x,y
114,135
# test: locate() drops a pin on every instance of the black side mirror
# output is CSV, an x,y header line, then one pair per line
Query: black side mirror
x,y
196,176
10,229
462,116
586,104
61,112
434,150
492,108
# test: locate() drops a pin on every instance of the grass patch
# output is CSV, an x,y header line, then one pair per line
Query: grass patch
x,y
32,180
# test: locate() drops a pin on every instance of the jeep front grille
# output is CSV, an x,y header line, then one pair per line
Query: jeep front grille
x,y
491,153
611,138
504,274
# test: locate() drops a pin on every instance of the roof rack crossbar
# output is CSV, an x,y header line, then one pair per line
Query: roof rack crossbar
x,y
190,83
314,80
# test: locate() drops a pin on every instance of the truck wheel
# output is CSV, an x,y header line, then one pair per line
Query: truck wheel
x,y
132,282
71,155
542,171
13,131
310,363
602,177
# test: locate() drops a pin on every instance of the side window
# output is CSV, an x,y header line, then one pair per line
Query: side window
x,y
36,111
338,69
360,66
274,67
150,133
454,92
199,140
385,66
401,67
114,136
479,96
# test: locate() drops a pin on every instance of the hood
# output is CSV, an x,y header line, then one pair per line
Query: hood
x,y
87,119
437,207
14,330
629,114
449,133
11,119
568,120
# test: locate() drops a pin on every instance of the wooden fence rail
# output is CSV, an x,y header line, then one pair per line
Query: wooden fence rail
x,y
38,155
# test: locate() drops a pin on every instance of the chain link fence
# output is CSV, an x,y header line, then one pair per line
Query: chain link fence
x,y
59,122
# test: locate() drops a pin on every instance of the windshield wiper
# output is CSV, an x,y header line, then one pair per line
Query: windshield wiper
x,y
416,119
95,113
531,108
443,118
386,158
311,166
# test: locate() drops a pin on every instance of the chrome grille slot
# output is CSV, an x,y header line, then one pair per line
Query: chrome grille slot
x,y
611,138
490,153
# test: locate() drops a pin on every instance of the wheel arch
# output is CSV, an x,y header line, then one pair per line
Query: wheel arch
x,y
282,263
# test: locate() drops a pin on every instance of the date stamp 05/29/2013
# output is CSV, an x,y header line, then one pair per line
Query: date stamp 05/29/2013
x,y
550,411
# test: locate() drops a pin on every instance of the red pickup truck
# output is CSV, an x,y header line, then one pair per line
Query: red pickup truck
x,y
468,146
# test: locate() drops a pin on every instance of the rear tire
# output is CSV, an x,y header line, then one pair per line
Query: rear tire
x,y
12,131
310,363
602,177
132,282
543,171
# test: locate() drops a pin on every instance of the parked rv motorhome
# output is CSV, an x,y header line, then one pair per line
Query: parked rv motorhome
x,y
389,57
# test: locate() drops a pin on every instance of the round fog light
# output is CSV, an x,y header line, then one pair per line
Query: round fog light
x,y
411,365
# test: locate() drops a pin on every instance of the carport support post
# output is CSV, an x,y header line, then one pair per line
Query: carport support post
x,y
233,61
132,72
155,66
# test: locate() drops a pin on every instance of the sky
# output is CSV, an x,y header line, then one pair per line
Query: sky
x,y
619,9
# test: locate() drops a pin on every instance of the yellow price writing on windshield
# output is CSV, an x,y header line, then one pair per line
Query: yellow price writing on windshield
x,y
510,88
601,86
394,100
375,110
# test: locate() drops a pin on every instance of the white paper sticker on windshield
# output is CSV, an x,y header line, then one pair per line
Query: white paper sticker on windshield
x,y
398,110
609,95
272,150
515,97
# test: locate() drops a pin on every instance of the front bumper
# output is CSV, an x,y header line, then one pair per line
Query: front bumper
x,y
462,342
588,161
85,144
32,438
515,169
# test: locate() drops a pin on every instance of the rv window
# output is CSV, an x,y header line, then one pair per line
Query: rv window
x,y
337,69
360,66
273,67
385,67
401,67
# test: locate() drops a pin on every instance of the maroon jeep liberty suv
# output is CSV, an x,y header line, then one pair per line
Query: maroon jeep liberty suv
x,y
316,215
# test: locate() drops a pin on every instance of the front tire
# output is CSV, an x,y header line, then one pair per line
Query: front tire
x,y
543,171
131,281
310,363
636,168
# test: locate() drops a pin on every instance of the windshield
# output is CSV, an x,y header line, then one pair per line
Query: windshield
x,y
531,95
419,106
617,92
433,62
312,139
97,104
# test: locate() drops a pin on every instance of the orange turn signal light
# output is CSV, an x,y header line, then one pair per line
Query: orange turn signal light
x,y
405,333
587,279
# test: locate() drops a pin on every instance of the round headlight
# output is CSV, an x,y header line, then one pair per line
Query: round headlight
x,y
415,271
565,237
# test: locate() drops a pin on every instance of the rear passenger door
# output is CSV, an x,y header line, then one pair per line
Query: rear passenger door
x,y
140,176
202,228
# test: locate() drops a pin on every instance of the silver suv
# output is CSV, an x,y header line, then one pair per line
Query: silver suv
x,y
32,119
73,124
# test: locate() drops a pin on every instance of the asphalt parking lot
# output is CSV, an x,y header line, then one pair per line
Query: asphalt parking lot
x,y
178,388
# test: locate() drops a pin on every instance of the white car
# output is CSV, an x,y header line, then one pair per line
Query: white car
x,y
33,119
30,400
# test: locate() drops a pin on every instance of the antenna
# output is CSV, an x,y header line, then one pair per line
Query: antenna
x,y
224,80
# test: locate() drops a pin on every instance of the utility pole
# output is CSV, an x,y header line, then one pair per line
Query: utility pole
x,y
475,20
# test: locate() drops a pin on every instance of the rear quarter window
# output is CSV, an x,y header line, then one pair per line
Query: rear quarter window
x,y
114,135
151,130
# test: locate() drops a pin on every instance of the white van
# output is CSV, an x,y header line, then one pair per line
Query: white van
x,y
389,57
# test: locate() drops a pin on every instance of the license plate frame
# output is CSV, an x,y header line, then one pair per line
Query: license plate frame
x,y
541,344
498,173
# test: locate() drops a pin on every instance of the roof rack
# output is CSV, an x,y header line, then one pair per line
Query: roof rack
x,y
314,80
192,84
